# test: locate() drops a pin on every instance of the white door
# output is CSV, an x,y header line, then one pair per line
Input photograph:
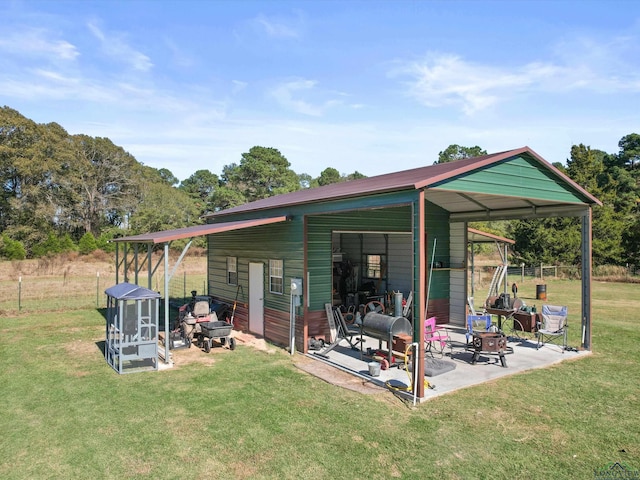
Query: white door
x,y
256,298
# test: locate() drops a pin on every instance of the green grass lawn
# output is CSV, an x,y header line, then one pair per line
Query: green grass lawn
x,y
252,414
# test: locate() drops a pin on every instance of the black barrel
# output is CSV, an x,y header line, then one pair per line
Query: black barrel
x,y
541,292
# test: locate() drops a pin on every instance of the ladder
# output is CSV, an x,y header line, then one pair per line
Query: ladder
x,y
496,281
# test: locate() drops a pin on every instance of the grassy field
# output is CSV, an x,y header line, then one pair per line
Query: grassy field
x,y
253,414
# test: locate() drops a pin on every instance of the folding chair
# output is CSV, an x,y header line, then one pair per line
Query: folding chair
x,y
553,326
344,331
436,338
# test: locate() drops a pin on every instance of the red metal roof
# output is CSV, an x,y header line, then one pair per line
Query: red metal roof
x,y
416,178
198,230
478,236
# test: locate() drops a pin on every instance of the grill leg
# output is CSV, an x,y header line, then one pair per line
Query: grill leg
x,y
503,360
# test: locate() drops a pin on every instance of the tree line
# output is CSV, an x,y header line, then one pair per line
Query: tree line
x,y
63,192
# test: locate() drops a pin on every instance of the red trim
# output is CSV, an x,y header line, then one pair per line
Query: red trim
x,y
198,230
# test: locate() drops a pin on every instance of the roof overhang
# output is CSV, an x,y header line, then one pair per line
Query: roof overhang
x,y
478,236
198,230
477,207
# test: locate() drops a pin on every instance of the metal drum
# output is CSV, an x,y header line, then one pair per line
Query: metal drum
x,y
384,327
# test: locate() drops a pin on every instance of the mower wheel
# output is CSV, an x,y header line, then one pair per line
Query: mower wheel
x,y
207,345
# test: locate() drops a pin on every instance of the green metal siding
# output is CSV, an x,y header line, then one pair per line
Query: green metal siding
x,y
394,219
517,177
257,244
437,225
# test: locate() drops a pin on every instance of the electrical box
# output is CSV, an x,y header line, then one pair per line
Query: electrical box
x,y
296,290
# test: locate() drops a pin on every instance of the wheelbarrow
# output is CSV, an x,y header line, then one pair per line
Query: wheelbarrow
x,y
220,331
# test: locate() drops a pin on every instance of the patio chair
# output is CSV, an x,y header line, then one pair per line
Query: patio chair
x,y
553,327
344,331
436,338
477,323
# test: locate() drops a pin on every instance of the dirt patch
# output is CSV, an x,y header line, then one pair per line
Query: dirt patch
x,y
195,354
186,356
337,377
252,341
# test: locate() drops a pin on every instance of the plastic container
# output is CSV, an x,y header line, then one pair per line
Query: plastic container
x,y
374,369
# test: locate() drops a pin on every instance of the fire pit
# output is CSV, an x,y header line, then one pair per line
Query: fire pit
x,y
492,343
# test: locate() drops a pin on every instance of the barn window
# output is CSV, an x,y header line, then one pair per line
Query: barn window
x,y
232,270
374,266
276,282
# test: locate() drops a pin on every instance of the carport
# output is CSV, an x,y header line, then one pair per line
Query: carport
x,y
137,253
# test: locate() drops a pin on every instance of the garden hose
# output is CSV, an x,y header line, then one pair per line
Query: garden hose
x,y
408,388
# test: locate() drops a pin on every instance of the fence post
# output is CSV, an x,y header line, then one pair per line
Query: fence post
x,y
19,293
97,289
541,273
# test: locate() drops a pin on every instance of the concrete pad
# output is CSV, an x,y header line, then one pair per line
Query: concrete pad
x,y
525,357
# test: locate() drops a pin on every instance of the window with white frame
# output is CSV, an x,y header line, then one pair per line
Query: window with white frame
x,y
232,270
276,279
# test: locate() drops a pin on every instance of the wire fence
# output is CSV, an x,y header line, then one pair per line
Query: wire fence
x,y
36,293
41,292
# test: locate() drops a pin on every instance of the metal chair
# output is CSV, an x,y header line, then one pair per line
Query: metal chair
x,y
352,333
436,338
477,323
553,327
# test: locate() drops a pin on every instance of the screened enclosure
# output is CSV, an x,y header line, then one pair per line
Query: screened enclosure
x,y
132,328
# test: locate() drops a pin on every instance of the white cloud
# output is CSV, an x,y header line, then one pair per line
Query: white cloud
x,y
288,94
238,86
36,42
178,55
116,47
581,64
277,27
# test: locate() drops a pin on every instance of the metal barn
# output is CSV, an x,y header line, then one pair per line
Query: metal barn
x,y
405,231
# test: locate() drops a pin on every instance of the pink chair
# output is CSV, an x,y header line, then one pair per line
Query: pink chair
x,y
436,338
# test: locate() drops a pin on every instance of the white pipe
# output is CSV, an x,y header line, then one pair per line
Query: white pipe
x,y
292,326
415,346
433,254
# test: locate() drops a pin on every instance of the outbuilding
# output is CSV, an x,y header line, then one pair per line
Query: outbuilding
x,y
285,257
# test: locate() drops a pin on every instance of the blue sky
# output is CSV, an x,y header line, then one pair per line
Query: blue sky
x,y
376,86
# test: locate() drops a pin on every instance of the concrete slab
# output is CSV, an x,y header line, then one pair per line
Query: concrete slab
x,y
525,357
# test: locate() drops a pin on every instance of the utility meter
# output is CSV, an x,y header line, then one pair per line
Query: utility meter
x,y
296,290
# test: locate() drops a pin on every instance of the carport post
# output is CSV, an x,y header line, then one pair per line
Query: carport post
x,y
166,303
418,331
586,280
